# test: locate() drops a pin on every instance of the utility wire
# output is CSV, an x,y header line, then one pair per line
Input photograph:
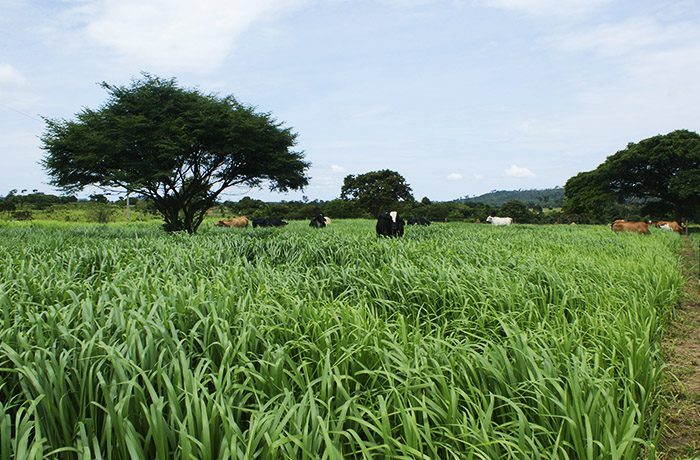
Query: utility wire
x,y
21,113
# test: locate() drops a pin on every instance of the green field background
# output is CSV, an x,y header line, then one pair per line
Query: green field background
x,y
457,341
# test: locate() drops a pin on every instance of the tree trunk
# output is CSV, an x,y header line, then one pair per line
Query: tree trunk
x,y
180,214
171,216
678,214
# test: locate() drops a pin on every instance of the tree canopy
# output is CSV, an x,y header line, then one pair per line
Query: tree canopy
x,y
176,146
663,171
376,191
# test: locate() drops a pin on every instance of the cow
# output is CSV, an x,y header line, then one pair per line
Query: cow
x,y
390,224
670,226
418,221
235,222
622,225
319,221
499,220
260,222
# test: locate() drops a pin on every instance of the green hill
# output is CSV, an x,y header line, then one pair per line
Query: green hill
x,y
547,198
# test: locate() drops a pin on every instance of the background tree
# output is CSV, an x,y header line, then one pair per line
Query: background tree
x,y
98,198
518,211
178,147
664,170
377,191
587,197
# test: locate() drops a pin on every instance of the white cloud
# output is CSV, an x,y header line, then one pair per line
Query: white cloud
x,y
518,171
634,35
14,85
11,79
478,176
454,176
555,7
652,69
194,35
337,168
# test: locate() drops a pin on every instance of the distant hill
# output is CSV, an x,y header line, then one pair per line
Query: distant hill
x,y
547,198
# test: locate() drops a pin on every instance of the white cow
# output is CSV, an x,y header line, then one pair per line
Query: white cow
x,y
499,220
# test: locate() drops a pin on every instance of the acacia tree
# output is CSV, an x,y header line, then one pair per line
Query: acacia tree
x,y
376,191
663,170
176,146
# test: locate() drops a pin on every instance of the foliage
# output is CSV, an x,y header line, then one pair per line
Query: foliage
x,y
84,211
100,213
546,198
587,196
98,198
34,200
663,169
377,191
178,147
518,211
21,215
348,209
522,342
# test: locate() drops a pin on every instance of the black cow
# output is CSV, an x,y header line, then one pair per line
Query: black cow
x,y
390,224
318,221
260,222
418,221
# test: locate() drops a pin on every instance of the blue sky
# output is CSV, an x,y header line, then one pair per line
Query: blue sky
x,y
460,96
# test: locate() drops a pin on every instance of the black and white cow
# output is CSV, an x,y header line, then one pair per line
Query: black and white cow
x,y
418,221
390,224
319,221
261,222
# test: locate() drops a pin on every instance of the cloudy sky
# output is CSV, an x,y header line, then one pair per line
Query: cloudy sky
x,y
460,96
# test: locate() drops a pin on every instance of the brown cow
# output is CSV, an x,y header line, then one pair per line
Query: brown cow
x,y
629,226
236,222
669,225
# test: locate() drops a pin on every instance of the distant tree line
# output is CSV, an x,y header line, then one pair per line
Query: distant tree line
x,y
97,209
545,198
436,211
36,200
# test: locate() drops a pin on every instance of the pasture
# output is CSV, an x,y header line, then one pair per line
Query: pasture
x,y
457,341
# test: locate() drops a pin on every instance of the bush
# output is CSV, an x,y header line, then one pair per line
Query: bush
x,y
21,215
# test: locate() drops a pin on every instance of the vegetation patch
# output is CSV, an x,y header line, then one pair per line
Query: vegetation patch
x,y
457,341
681,415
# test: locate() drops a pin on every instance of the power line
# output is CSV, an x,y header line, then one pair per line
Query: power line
x,y
21,113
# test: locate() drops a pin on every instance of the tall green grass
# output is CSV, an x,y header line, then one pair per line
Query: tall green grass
x,y
458,341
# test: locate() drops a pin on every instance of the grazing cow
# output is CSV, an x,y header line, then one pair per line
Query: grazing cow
x,y
236,222
499,220
622,225
418,221
260,222
318,221
670,226
390,224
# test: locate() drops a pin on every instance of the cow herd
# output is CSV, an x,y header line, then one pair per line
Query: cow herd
x,y
390,224
622,225
242,222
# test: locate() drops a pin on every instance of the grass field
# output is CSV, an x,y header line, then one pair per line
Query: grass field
x,y
458,341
